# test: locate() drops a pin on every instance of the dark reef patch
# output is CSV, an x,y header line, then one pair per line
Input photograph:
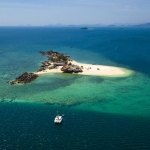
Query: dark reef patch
x,y
97,80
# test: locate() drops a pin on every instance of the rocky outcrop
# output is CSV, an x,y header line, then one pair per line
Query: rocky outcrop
x,y
55,56
54,59
71,69
24,78
67,69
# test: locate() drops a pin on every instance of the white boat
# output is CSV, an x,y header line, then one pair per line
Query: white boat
x,y
58,119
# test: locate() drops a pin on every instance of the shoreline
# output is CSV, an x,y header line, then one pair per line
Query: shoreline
x,y
93,70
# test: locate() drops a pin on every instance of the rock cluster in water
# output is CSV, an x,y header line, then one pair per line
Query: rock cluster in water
x,y
24,78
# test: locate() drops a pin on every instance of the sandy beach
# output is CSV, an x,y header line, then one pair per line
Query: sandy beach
x,y
94,70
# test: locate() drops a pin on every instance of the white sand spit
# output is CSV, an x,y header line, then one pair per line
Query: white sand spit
x,y
94,70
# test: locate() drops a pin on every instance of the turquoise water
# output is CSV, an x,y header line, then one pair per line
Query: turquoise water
x,y
100,112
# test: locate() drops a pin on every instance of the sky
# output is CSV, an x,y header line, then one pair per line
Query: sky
x,y
73,12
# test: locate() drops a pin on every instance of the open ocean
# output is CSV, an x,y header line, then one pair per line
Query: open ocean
x,y
101,113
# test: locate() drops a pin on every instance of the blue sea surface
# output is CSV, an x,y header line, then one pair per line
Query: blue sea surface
x,y
100,112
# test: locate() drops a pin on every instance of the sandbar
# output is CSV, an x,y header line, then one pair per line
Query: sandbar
x,y
93,70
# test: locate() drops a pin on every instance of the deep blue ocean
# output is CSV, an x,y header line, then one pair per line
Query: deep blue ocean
x,y
100,112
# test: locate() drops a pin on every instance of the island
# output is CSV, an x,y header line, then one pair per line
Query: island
x,y
84,28
60,63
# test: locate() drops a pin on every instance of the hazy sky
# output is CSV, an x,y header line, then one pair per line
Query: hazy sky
x,y
44,12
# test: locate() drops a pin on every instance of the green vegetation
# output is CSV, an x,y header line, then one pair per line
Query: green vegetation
x,y
61,58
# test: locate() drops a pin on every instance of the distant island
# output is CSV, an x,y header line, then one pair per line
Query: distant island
x,y
144,25
60,63
84,28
